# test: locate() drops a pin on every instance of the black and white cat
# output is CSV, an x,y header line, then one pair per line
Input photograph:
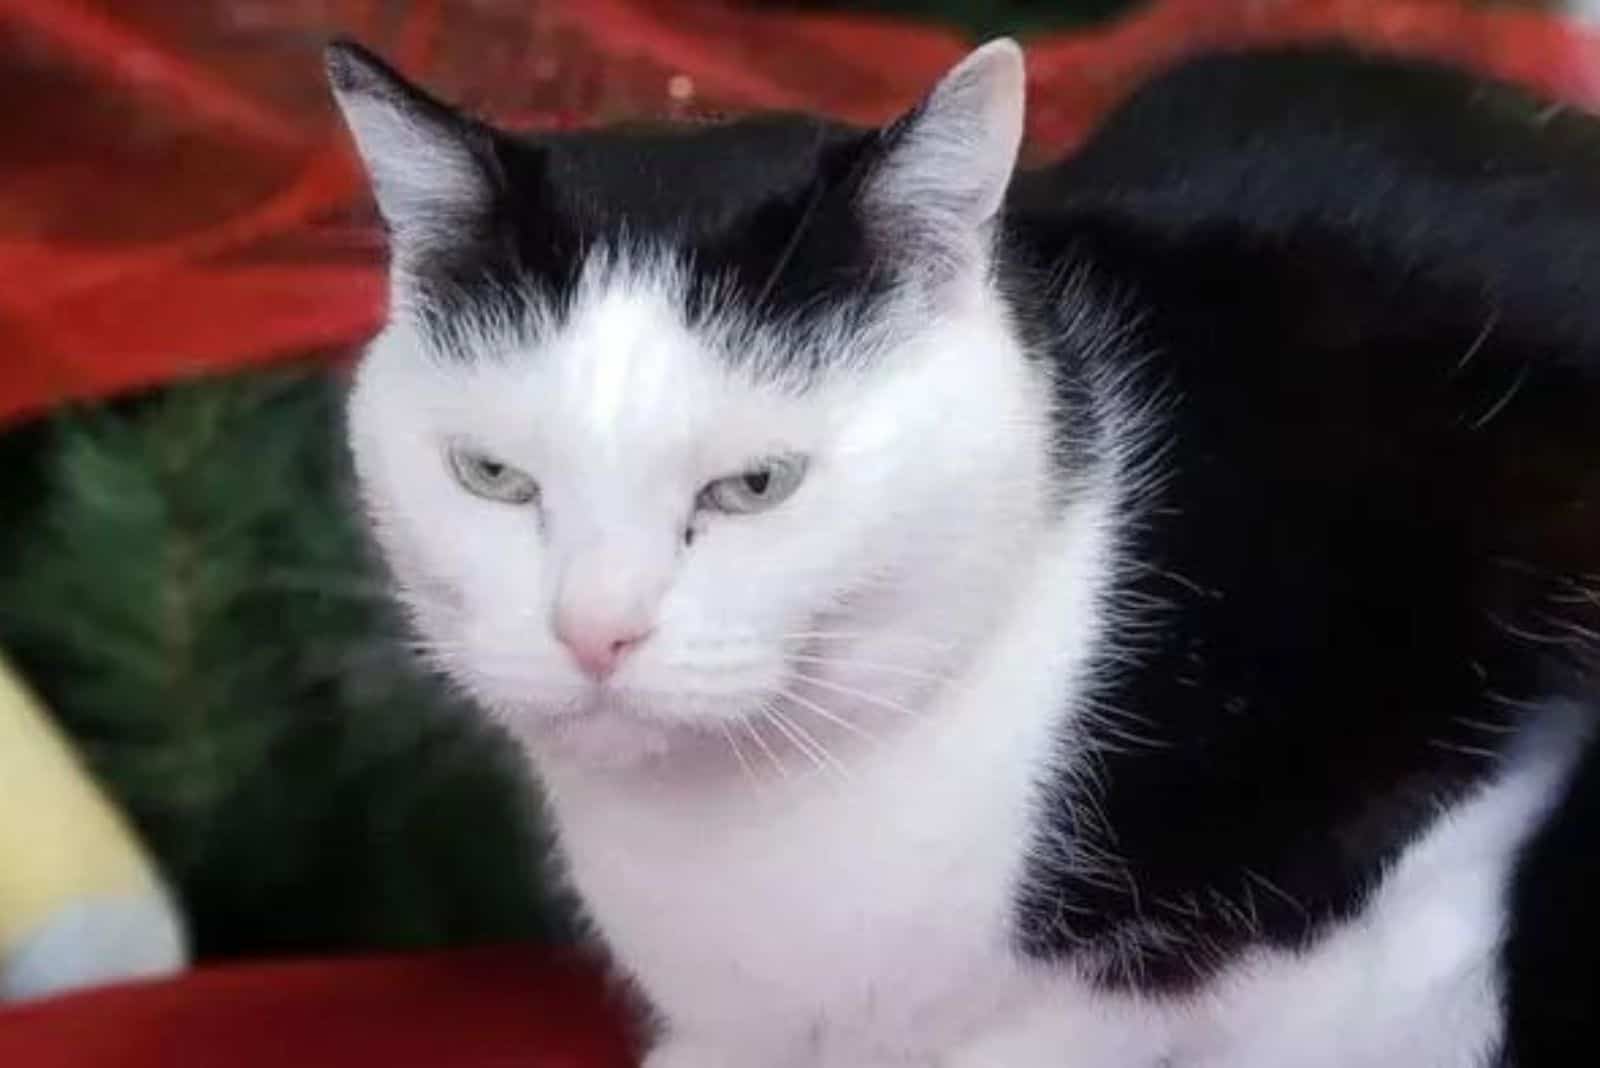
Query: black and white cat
x,y
1141,612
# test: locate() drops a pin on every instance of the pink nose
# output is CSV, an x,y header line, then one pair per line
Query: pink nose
x,y
598,648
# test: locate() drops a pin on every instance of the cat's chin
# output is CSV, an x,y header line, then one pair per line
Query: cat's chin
x,y
611,733
606,740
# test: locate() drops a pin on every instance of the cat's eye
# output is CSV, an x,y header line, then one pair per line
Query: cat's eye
x,y
764,486
487,477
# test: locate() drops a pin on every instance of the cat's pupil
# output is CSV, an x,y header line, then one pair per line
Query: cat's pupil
x,y
491,470
757,481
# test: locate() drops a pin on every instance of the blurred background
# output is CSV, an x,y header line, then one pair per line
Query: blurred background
x,y
187,261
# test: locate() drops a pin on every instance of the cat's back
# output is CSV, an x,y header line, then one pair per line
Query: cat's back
x,y
1310,132
1371,283
1453,180
1357,304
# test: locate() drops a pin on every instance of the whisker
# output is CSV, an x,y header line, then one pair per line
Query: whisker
x,y
1477,342
807,214
771,715
869,665
831,717
856,635
1467,750
761,742
850,691
738,753
1499,406
807,742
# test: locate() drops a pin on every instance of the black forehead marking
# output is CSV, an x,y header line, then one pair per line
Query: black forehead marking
x,y
663,178
761,214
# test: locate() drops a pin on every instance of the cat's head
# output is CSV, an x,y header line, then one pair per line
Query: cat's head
x,y
710,432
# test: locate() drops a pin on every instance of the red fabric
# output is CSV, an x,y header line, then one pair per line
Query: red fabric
x,y
475,1009
176,195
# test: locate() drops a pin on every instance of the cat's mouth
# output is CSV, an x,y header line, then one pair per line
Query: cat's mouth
x,y
619,706
621,720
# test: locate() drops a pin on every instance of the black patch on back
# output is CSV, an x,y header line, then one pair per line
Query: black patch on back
x,y
1361,297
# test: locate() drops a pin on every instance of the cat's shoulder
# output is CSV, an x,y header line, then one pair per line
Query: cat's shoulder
x,y
1327,173
1285,132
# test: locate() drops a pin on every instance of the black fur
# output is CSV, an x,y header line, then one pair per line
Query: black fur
x,y
782,239
1362,305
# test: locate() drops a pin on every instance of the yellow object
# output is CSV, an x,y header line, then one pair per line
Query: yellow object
x,y
80,900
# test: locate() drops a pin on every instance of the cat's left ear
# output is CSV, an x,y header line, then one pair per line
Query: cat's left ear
x,y
432,168
942,169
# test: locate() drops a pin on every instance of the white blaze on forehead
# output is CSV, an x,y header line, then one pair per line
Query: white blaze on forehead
x,y
624,352
625,384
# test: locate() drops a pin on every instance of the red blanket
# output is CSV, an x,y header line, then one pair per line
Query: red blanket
x,y
177,197
479,1009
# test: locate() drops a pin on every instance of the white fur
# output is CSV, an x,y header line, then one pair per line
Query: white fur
x,y
798,811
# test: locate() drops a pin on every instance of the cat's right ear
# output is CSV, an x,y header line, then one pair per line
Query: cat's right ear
x,y
431,167
943,169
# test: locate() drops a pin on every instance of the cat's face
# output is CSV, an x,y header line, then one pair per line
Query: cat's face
x,y
748,465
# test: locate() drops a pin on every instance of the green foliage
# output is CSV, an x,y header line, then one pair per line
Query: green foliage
x,y
184,580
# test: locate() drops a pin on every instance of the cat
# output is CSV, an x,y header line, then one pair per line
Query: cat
x,y
1143,611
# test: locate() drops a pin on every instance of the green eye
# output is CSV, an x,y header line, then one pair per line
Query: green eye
x,y
762,487
486,477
